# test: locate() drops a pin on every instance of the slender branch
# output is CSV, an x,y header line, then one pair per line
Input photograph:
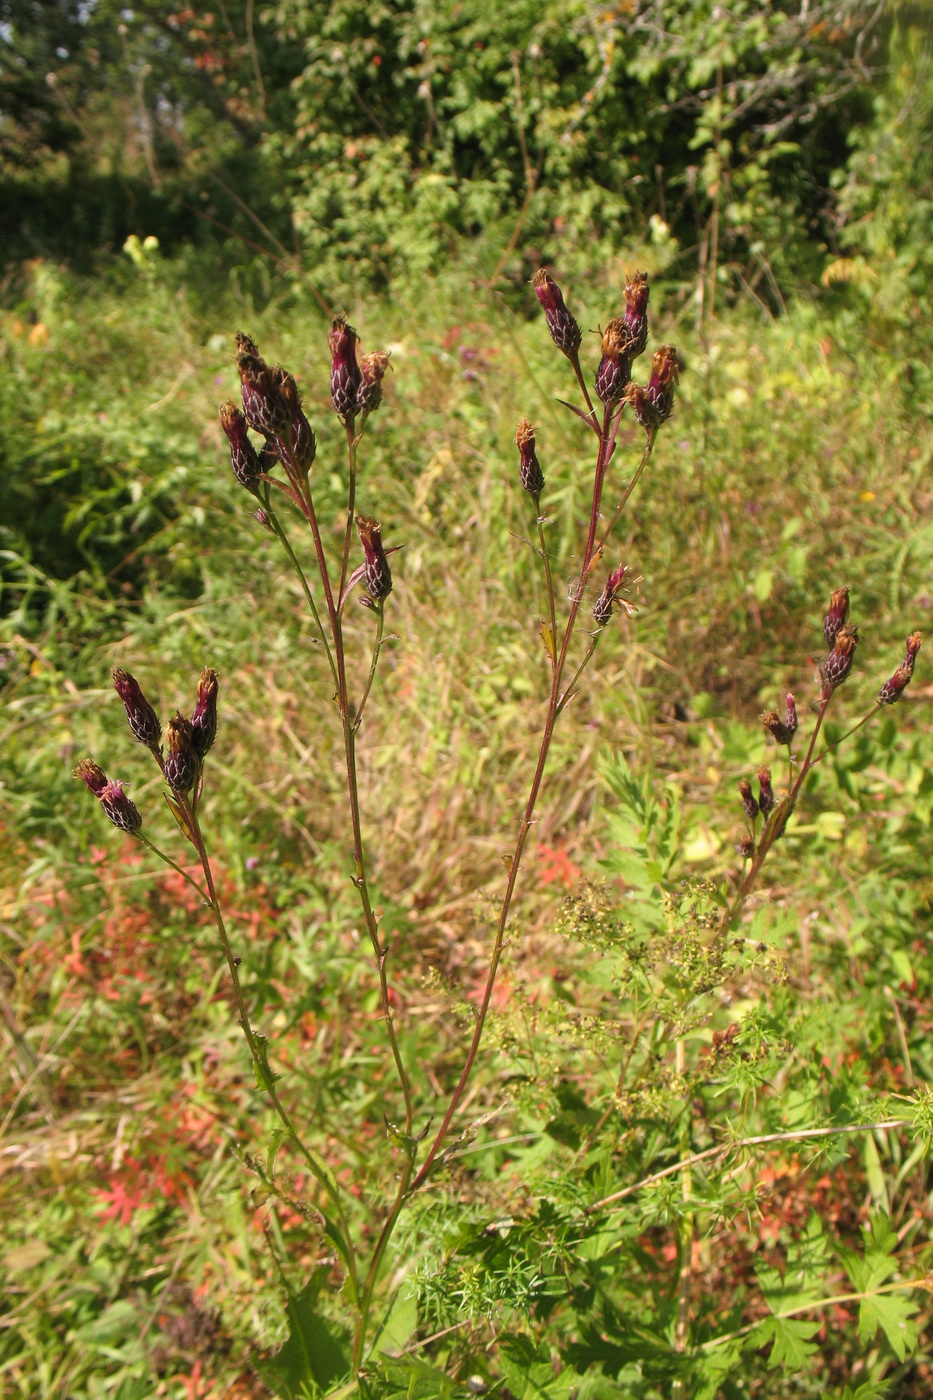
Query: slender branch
x,y
263,1073
280,534
140,836
723,1149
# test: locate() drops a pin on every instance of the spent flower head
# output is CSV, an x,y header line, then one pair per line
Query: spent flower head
x,y
893,689
836,615
602,608
92,776
345,376
564,330
529,469
181,762
142,718
653,404
244,458
265,409
838,664
372,372
376,573
635,315
119,808
204,718
782,731
297,446
615,367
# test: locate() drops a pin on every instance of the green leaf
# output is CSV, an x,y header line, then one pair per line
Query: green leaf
x,y
529,1371
790,1339
315,1354
399,1322
893,1313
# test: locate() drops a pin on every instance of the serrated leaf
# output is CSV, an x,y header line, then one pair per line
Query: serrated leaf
x,y
893,1313
789,1338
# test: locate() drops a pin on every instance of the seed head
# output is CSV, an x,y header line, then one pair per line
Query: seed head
x,y
121,811
143,720
564,330
529,469
181,763
372,373
92,776
748,801
345,376
243,456
836,615
635,315
265,409
615,367
838,664
377,574
893,689
602,608
765,791
204,718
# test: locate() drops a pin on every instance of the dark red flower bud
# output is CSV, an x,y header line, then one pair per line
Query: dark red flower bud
x,y
265,409
121,811
204,718
372,373
635,315
653,404
143,720
243,456
838,664
529,469
564,330
893,689
765,791
615,367
92,776
602,608
836,615
181,763
746,847
297,446
377,575
748,801
345,376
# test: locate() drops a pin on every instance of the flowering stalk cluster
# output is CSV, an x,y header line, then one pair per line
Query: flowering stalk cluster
x,y
273,450
841,637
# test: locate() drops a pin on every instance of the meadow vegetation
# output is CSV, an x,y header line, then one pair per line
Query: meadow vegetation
x,y
692,1157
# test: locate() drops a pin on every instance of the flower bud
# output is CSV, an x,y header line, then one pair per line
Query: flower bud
x,y
529,469
653,404
893,689
615,367
345,376
265,409
765,791
748,801
143,720
836,615
635,315
782,731
564,330
746,847
121,811
181,763
790,718
372,373
377,575
297,446
602,608
92,776
204,718
838,664
243,456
